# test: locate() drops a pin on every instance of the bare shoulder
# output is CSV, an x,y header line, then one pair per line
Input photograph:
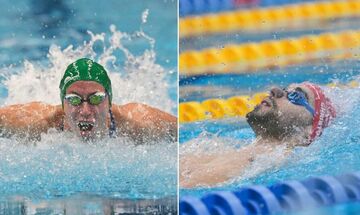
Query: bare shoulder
x,y
144,122
29,110
142,111
130,108
36,105
33,117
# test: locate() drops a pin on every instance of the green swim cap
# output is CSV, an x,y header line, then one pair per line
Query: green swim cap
x,y
85,69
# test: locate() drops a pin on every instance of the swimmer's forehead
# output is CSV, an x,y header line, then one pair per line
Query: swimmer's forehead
x,y
85,88
294,86
303,87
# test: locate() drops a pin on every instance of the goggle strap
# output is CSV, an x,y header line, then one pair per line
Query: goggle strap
x,y
297,99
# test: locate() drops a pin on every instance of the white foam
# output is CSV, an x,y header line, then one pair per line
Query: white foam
x,y
141,79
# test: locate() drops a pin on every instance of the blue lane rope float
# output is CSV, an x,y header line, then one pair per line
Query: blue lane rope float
x,y
196,7
326,190
293,196
258,200
351,183
279,198
223,203
191,205
192,7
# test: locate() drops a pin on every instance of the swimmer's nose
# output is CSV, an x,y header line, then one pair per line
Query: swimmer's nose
x,y
85,109
276,92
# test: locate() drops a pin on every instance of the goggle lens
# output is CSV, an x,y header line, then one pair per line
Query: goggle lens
x,y
299,98
74,100
94,99
296,97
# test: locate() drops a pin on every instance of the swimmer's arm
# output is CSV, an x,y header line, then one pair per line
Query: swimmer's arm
x,y
213,169
29,120
144,123
210,170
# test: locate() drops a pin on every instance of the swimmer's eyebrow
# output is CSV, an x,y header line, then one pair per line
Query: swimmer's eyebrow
x,y
73,92
303,91
76,93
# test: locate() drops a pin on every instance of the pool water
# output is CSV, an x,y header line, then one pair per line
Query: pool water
x,y
38,39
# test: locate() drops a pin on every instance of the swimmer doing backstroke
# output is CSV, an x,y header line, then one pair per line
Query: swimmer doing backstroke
x,y
294,116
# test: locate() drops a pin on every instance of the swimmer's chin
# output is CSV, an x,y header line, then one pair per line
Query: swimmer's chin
x,y
252,116
260,113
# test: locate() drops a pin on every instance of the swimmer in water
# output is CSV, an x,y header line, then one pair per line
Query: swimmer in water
x,y
289,117
87,111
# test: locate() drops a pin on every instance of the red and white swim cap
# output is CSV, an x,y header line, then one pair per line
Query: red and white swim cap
x,y
324,111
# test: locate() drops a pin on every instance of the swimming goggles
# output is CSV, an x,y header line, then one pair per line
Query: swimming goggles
x,y
94,99
298,98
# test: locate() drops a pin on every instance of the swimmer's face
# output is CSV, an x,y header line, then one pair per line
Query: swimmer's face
x,y
277,117
86,120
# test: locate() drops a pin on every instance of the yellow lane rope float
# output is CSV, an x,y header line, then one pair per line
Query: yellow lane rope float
x,y
252,57
230,107
263,19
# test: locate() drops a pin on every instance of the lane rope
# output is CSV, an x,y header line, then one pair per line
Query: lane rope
x,y
265,19
253,57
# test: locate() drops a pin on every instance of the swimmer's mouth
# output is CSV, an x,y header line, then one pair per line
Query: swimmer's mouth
x,y
266,102
86,126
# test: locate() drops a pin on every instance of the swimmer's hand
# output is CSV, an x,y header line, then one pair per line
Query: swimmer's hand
x,y
144,123
29,120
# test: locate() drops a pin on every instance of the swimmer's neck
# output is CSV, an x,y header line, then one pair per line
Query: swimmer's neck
x,y
299,137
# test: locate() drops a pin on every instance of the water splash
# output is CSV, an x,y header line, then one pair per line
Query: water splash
x,y
139,80
144,16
